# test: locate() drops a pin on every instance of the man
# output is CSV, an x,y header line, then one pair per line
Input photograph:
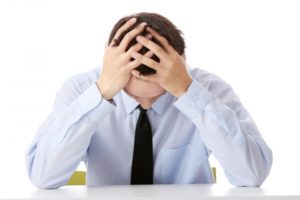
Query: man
x,y
146,118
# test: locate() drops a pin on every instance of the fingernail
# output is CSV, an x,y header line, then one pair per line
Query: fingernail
x,y
133,20
143,24
139,38
149,36
134,72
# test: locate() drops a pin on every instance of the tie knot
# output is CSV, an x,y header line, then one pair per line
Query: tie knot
x,y
142,109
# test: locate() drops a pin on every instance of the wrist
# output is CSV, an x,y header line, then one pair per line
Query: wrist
x,y
184,88
105,94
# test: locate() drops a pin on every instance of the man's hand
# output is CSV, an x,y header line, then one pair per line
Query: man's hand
x,y
116,62
171,71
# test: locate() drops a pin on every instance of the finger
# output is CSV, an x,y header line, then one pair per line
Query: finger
x,y
148,36
135,63
132,65
150,77
149,54
123,28
137,46
164,42
130,35
145,60
155,48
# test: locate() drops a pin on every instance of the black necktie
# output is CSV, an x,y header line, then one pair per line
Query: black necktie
x,y
142,161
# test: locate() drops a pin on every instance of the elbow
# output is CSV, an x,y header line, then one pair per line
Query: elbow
x,y
257,172
260,172
249,181
257,177
252,177
45,184
43,180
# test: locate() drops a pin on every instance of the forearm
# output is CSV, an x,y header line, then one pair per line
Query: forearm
x,y
63,139
229,133
246,158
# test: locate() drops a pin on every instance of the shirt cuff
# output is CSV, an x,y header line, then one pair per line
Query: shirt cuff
x,y
92,102
194,100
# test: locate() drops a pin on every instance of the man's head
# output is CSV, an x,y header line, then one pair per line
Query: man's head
x,y
166,29
159,23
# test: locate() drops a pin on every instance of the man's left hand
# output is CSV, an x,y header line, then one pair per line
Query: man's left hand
x,y
171,71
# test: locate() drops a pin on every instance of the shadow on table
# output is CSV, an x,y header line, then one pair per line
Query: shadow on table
x,y
245,191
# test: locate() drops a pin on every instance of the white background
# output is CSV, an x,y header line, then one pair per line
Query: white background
x,y
253,45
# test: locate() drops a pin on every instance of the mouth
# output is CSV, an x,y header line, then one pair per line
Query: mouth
x,y
145,81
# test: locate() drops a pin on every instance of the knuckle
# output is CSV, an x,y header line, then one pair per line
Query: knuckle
x,y
170,63
129,51
127,37
125,26
138,46
134,31
152,63
146,42
166,74
158,50
149,55
155,64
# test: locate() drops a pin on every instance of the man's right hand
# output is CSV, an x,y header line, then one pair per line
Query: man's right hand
x,y
117,66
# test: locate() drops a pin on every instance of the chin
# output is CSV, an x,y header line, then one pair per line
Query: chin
x,y
143,89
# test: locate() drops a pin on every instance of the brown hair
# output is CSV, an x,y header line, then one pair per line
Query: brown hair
x,y
159,23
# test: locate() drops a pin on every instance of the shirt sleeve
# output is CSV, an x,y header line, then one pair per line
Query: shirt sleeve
x,y
62,140
228,132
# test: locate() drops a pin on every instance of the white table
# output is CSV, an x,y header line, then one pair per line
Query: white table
x,y
166,192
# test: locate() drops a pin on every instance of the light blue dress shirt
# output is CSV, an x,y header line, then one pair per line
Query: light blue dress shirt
x,y
208,118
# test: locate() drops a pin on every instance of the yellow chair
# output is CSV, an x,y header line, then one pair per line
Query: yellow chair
x,y
78,177
214,173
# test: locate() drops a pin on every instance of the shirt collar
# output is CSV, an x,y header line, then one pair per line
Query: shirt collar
x,y
129,103
159,106
162,103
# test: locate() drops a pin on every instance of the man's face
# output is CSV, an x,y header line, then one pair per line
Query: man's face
x,y
143,89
